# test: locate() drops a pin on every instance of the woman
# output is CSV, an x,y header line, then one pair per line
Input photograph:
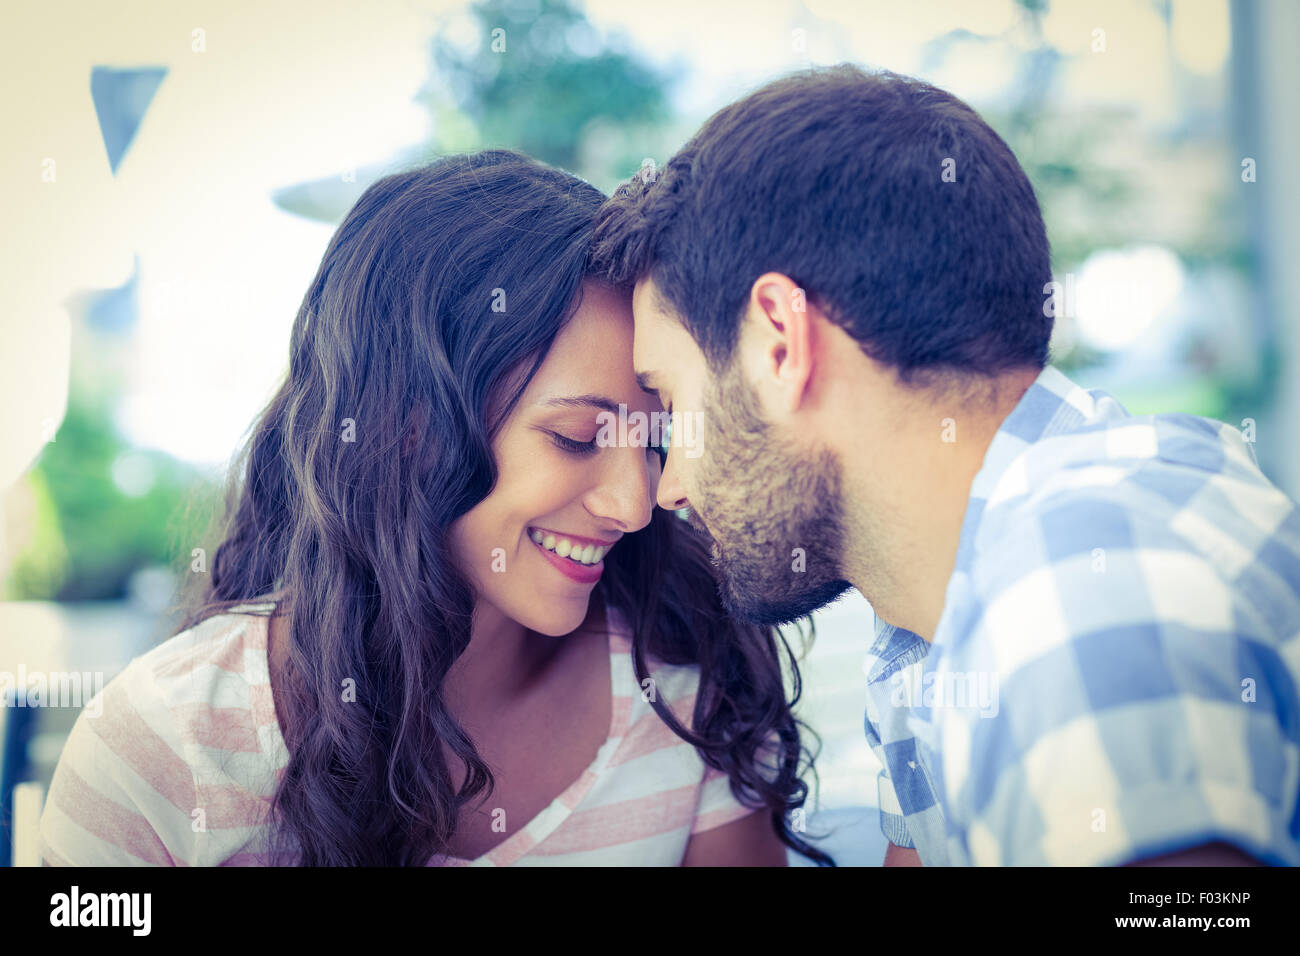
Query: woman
x,y
445,624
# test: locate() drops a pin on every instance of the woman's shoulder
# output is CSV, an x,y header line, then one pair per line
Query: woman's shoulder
x,y
202,695
172,756
216,662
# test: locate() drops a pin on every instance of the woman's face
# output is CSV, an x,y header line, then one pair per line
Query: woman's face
x,y
560,494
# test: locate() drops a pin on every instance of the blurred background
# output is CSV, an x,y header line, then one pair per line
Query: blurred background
x,y
172,174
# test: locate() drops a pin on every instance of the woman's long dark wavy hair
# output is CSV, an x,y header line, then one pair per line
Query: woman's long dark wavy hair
x,y
340,505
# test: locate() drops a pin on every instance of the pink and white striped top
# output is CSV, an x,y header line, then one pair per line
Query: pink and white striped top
x,y
180,766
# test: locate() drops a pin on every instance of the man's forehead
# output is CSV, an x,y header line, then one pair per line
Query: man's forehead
x,y
648,321
648,338
647,297
660,341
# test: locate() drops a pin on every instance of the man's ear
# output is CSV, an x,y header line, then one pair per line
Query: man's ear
x,y
778,341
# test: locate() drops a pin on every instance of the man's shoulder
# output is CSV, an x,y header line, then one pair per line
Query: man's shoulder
x,y
1151,531
1167,457
1155,483
1157,548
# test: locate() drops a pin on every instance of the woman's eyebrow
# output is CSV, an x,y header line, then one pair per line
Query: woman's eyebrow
x,y
582,401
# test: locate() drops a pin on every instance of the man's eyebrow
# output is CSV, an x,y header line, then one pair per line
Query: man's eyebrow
x,y
582,401
644,380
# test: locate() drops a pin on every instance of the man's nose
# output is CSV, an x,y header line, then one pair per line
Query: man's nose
x,y
671,495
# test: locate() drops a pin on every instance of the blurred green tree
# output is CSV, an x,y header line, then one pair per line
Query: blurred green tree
x,y
539,79
101,510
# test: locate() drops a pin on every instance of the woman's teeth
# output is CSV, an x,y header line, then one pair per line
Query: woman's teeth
x,y
583,554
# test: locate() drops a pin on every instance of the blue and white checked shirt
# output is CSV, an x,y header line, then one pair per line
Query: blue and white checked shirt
x,y
1115,672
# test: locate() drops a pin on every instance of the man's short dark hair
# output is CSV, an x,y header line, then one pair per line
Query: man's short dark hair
x,y
899,212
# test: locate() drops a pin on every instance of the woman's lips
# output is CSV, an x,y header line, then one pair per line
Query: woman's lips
x,y
582,573
534,530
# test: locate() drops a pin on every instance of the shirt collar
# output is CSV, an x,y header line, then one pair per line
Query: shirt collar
x,y
892,649
1052,405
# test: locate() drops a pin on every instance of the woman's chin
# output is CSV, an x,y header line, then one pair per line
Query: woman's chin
x,y
557,623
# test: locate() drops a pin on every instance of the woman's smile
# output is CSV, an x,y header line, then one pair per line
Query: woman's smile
x,y
577,557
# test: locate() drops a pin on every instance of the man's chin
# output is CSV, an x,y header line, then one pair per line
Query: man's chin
x,y
749,605
701,530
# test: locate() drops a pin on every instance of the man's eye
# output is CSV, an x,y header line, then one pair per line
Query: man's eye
x,y
574,447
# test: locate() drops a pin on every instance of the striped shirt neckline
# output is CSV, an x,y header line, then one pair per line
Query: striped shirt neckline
x,y
547,820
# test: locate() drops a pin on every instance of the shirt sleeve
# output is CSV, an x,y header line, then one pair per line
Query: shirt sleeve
x,y
113,799
892,822
1141,706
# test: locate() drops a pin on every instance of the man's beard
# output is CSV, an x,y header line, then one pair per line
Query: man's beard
x,y
775,515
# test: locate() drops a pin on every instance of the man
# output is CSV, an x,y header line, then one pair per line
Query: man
x,y
1087,643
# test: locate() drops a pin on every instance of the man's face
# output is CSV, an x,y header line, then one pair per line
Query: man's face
x,y
772,509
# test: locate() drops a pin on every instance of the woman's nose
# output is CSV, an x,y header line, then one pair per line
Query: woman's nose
x,y
626,491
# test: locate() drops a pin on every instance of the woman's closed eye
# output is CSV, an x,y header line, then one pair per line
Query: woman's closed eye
x,y
573,446
583,449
